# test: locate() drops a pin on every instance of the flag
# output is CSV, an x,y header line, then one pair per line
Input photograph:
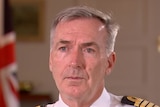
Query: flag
x,y
9,96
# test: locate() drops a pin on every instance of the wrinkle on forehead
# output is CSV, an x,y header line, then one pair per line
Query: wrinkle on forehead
x,y
80,28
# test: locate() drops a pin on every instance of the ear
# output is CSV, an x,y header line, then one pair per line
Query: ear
x,y
110,62
50,63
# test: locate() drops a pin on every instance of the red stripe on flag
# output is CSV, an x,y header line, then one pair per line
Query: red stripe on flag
x,y
2,101
14,91
7,55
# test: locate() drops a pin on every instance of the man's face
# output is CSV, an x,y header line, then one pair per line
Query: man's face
x,y
78,59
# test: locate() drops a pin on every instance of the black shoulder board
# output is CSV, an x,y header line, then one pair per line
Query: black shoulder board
x,y
137,102
40,106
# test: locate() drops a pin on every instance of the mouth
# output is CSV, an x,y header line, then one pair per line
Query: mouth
x,y
74,78
74,81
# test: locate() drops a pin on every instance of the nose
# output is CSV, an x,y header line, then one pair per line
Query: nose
x,y
77,59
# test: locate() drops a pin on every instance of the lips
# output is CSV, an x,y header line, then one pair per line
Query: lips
x,y
74,78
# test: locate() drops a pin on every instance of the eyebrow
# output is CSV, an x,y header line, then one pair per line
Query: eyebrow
x,y
83,44
64,42
89,44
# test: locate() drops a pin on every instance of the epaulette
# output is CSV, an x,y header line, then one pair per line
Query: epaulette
x,y
137,102
40,106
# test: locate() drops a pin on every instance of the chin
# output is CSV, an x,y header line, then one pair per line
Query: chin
x,y
75,92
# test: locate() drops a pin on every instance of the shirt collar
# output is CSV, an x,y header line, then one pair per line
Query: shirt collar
x,y
102,101
60,103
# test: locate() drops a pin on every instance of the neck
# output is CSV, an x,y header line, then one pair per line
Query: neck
x,y
78,104
83,101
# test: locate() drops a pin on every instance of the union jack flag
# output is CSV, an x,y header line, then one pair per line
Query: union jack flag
x,y
9,96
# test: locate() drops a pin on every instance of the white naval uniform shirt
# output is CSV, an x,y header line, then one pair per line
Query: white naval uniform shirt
x,y
105,100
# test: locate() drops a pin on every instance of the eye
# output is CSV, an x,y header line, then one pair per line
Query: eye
x,y
62,49
89,50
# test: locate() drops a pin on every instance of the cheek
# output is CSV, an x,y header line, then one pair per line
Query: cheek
x,y
55,67
58,66
56,61
58,57
57,73
96,70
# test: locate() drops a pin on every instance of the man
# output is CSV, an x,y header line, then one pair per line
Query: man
x,y
81,56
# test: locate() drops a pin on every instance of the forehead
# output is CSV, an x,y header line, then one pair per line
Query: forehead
x,y
80,28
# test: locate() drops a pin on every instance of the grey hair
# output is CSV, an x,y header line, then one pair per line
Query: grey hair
x,y
88,12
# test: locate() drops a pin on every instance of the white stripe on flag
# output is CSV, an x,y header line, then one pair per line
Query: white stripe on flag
x,y
8,38
10,98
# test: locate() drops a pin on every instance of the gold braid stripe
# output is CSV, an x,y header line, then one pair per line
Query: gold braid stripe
x,y
138,102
